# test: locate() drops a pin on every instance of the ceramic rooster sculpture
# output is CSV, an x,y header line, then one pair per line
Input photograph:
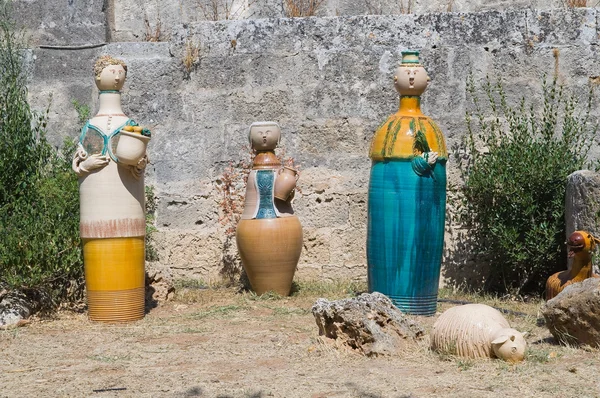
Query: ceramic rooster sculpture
x,y
580,245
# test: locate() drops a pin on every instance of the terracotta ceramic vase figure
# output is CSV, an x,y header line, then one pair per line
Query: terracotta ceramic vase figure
x,y
269,235
111,193
407,199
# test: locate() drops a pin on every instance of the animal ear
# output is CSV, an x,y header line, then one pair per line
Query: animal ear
x,y
501,339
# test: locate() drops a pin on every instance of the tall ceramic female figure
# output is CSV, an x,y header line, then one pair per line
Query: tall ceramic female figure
x,y
407,198
111,192
269,235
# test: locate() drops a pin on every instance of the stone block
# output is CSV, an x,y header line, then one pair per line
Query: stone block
x,y
191,254
346,272
582,204
66,23
322,210
348,247
358,211
191,205
316,248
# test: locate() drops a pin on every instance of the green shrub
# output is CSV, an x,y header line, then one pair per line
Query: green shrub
x,y
151,205
514,163
39,210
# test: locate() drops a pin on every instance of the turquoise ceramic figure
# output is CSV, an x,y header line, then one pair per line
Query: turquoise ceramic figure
x,y
407,199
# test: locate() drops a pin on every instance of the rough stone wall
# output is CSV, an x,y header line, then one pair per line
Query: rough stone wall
x,y
328,82
135,19
62,22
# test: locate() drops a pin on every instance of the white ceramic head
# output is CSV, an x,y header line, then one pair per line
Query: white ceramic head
x,y
110,73
410,78
264,136
509,344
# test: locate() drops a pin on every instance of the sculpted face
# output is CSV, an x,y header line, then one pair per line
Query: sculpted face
x,y
111,78
411,79
509,344
264,137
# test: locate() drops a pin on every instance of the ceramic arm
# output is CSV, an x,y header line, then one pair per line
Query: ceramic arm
x,y
83,163
424,163
138,170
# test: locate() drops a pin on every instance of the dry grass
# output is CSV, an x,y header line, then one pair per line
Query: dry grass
x,y
301,8
375,7
153,34
575,3
406,8
191,57
219,342
216,10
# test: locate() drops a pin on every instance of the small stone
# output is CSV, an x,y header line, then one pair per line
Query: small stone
x,y
159,284
16,306
369,323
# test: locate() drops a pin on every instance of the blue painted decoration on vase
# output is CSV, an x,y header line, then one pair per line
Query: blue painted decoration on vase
x,y
264,181
407,199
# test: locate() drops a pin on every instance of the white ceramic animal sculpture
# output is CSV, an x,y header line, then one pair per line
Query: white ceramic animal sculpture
x,y
477,331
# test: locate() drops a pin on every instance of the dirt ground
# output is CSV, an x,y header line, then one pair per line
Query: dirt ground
x,y
220,343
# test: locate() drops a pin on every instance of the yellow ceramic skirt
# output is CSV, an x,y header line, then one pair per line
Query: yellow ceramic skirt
x,y
112,228
115,278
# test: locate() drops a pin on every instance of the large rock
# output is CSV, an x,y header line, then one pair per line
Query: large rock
x,y
369,323
573,316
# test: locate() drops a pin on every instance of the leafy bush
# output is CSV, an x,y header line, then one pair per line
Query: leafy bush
x,y
151,206
514,163
39,210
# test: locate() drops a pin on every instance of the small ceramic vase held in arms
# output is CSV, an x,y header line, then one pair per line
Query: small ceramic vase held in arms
x,y
269,235
407,198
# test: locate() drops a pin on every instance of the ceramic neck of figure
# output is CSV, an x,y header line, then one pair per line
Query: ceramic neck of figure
x,y
582,266
266,160
410,103
110,103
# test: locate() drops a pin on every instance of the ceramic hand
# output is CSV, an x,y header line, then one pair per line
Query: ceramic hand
x,y
430,157
84,164
94,162
138,169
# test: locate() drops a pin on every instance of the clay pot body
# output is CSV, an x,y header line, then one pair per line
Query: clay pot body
x,y
285,183
270,249
269,235
407,201
131,148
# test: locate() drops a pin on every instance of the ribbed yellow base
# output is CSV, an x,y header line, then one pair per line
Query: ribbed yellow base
x,y
116,306
114,278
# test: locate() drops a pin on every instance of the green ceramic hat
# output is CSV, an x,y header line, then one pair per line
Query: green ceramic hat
x,y
410,57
